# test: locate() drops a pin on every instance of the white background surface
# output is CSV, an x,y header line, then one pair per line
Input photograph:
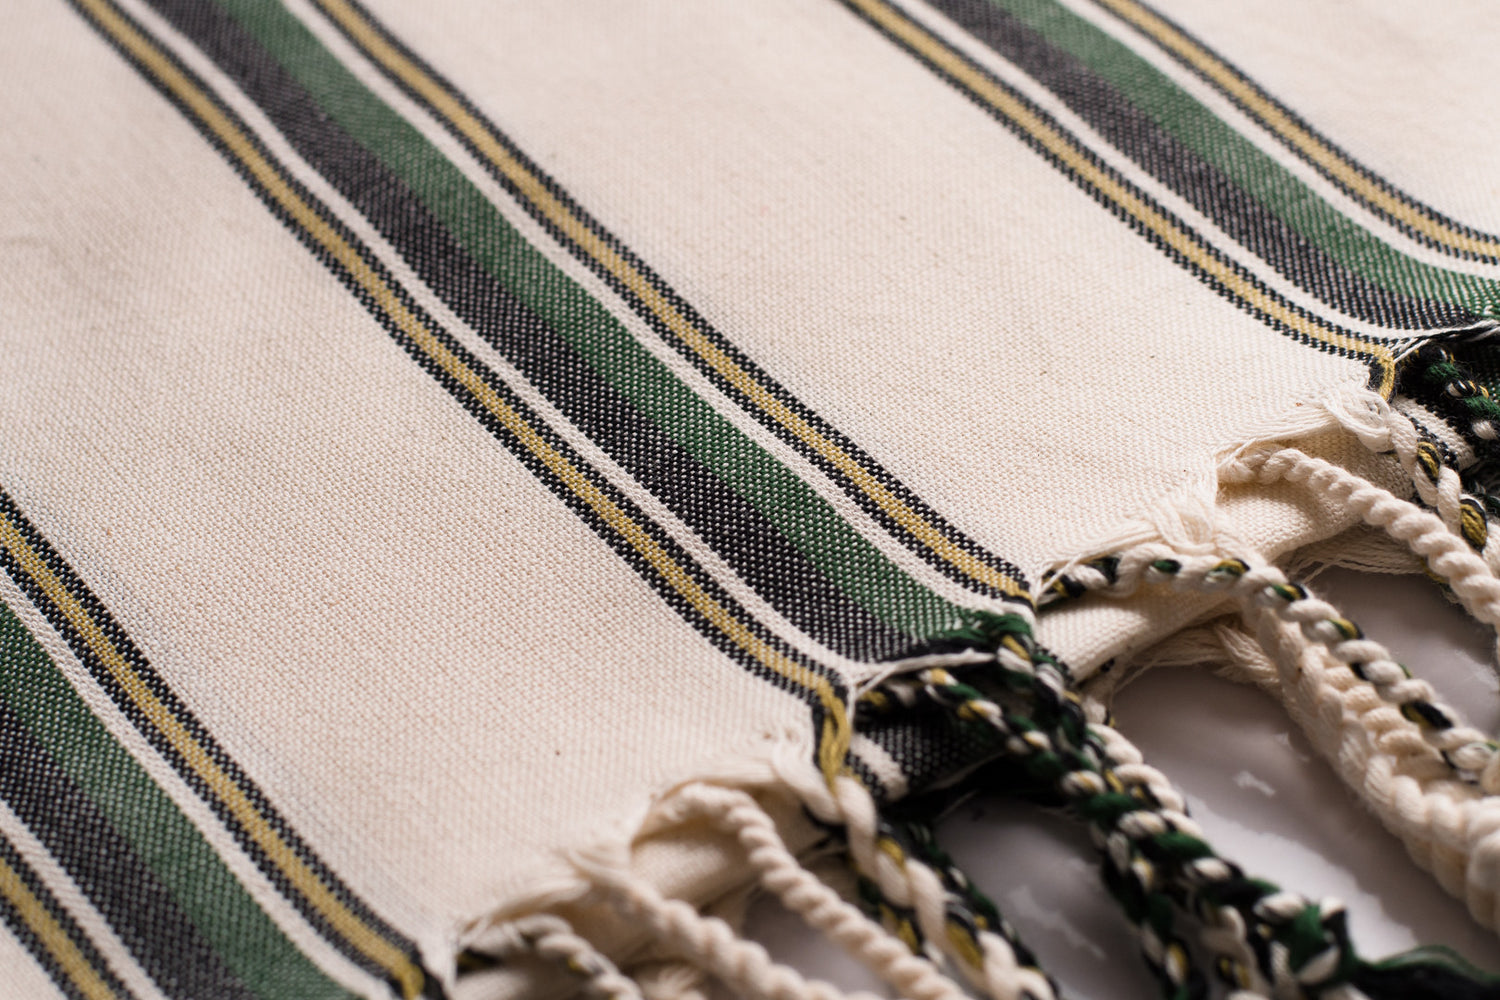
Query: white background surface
x,y
1257,788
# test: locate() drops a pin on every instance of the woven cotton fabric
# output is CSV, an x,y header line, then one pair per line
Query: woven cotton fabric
x,y
449,450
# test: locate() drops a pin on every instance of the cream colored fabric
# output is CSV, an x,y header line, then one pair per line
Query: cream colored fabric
x,y
1392,78
404,631
467,699
1044,361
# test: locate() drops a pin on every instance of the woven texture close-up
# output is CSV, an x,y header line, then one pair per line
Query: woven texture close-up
x,y
490,489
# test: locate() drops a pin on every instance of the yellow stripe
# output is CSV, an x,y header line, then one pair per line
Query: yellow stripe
x,y
929,47
197,757
559,214
1278,121
52,935
835,739
348,924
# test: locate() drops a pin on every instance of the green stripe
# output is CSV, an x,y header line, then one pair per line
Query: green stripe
x,y
1256,172
229,919
806,519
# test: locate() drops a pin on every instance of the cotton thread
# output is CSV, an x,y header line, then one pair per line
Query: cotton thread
x,y
552,939
1472,753
815,902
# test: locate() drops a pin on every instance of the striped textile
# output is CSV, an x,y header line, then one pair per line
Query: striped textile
x,y
433,436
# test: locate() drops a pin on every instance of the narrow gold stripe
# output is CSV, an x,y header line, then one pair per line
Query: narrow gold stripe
x,y
298,873
385,296
574,228
1281,123
197,757
929,47
52,935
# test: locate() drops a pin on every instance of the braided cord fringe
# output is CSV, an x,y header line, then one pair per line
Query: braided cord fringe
x,y
934,902
1449,827
1473,755
975,926
1266,941
745,966
1427,773
1432,377
801,892
1155,858
1074,769
1473,582
1051,736
707,942
930,904
552,939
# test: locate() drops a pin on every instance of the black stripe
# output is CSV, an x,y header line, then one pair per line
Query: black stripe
x,y
617,541
1376,371
1300,122
1209,190
466,399
931,751
702,326
756,549
142,911
128,651
23,932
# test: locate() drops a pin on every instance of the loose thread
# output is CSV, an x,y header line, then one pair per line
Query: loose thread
x,y
670,980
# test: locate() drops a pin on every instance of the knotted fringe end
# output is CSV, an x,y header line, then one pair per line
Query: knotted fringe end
x,y
1431,777
710,944
1030,730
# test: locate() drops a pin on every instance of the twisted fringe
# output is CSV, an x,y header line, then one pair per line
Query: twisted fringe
x,y
707,942
1426,772
1446,826
1473,756
552,939
1267,942
1429,775
1464,514
913,876
804,894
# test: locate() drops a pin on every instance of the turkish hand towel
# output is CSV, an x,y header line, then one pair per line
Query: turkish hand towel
x,y
484,485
